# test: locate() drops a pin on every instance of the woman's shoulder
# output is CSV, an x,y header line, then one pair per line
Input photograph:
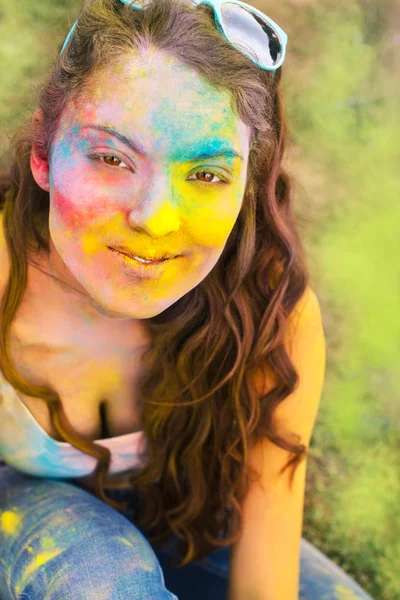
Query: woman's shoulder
x,y
4,258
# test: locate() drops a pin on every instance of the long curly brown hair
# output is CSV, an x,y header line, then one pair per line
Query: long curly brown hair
x,y
205,405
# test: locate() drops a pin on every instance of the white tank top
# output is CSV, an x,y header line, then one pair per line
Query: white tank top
x,y
27,447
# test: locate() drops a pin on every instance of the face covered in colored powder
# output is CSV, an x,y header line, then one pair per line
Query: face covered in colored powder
x,y
179,192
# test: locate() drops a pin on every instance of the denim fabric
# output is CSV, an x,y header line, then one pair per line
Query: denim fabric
x,y
59,542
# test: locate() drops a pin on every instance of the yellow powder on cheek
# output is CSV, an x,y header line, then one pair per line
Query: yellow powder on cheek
x,y
210,213
95,236
211,228
91,243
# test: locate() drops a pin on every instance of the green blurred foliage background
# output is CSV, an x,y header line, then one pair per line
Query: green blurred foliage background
x,y
341,79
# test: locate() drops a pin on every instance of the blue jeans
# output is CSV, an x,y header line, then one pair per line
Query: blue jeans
x,y
59,542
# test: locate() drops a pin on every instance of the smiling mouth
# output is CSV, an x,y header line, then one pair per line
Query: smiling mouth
x,y
144,269
142,259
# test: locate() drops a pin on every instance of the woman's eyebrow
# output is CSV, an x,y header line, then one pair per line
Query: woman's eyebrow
x,y
214,148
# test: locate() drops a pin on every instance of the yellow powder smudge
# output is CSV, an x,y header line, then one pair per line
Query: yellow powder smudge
x,y
343,593
124,541
47,543
39,560
10,522
90,243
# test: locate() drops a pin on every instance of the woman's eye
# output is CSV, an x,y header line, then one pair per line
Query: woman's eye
x,y
108,156
209,175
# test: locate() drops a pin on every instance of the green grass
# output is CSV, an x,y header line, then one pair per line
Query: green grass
x,y
343,111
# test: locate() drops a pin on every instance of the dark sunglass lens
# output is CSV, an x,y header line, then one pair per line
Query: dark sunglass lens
x,y
251,34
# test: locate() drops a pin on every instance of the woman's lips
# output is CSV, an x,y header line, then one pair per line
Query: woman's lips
x,y
127,252
143,260
152,270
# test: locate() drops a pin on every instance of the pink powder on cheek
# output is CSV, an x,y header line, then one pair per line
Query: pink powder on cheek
x,y
66,211
74,216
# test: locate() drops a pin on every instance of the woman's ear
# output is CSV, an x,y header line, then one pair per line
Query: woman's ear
x,y
39,162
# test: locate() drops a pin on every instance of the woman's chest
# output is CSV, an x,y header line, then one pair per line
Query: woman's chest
x,y
98,383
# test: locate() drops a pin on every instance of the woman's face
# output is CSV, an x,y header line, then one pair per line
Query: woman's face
x,y
160,198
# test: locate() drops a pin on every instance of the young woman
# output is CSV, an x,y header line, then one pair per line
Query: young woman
x,y
160,343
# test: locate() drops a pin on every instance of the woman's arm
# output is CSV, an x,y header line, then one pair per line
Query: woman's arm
x,y
265,562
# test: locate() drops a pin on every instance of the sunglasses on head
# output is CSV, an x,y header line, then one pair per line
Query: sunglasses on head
x,y
249,30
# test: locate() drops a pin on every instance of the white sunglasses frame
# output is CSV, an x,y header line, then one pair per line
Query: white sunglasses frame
x,y
216,4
